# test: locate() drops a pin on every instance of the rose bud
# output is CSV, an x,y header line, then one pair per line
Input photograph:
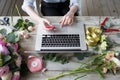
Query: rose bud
x,y
18,61
15,47
104,70
16,76
26,36
22,33
30,28
3,49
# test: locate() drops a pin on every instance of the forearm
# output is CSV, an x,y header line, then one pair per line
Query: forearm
x,y
30,11
73,9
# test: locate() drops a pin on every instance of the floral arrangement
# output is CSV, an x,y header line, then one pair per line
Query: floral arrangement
x,y
104,61
22,26
10,59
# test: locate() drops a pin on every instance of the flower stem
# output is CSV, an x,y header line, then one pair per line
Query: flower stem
x,y
79,70
18,12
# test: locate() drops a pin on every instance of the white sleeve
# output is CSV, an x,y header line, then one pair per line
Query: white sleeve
x,y
75,2
28,3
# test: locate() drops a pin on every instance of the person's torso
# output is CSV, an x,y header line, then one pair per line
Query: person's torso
x,y
54,1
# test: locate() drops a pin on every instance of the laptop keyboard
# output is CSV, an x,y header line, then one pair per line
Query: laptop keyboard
x,y
62,40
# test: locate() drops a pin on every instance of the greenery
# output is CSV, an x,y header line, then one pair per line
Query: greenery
x,y
21,23
56,58
9,55
102,59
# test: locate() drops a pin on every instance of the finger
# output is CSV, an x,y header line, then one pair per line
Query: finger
x,y
47,22
66,21
71,21
62,21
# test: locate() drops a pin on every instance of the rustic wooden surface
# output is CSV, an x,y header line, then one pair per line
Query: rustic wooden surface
x,y
54,68
88,7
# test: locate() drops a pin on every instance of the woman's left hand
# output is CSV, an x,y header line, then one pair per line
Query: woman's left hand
x,y
68,19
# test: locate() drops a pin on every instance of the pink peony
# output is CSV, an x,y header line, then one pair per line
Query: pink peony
x,y
3,49
4,70
16,76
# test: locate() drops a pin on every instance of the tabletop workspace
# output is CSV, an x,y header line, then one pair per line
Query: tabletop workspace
x,y
54,68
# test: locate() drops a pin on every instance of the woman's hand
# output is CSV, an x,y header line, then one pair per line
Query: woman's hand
x,y
45,23
68,19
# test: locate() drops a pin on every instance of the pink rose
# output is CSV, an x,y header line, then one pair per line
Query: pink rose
x,y
30,28
3,49
4,70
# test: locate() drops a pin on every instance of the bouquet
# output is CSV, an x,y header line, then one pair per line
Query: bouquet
x,y
10,59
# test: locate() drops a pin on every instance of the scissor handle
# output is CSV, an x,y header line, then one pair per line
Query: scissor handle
x,y
50,27
6,20
103,22
1,22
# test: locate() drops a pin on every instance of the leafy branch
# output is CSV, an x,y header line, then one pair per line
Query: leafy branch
x,y
56,58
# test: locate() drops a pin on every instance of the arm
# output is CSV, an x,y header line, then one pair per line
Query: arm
x,y
68,19
29,9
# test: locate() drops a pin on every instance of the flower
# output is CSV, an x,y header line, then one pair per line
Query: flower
x,y
10,59
30,28
6,76
103,45
14,45
16,76
104,70
18,60
116,61
109,55
3,49
103,38
4,69
26,36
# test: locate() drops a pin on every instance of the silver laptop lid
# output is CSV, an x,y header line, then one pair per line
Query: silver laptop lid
x,y
67,38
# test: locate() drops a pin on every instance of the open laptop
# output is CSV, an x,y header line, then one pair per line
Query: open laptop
x,y
62,39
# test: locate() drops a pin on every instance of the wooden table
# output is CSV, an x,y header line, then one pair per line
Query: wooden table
x,y
54,68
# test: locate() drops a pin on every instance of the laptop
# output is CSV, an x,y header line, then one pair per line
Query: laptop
x,y
70,38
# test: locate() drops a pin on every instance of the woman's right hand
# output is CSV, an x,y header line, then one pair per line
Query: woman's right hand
x,y
45,23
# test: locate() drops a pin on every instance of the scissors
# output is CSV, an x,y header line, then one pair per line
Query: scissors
x,y
4,21
108,29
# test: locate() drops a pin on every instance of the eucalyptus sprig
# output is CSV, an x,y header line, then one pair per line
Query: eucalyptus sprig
x,y
56,58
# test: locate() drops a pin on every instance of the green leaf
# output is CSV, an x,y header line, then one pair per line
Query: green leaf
x,y
6,58
10,48
1,61
56,58
3,31
26,20
30,24
13,67
11,37
81,56
19,24
100,73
